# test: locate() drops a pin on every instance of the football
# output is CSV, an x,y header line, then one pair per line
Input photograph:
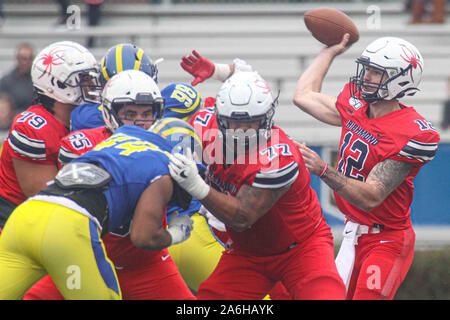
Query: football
x,y
329,25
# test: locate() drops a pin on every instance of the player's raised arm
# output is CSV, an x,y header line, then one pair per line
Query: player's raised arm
x,y
201,68
307,94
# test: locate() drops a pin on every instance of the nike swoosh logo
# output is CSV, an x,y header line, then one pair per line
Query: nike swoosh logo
x,y
164,258
348,231
183,175
384,241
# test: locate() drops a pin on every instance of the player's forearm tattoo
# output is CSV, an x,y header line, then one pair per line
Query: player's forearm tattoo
x,y
258,199
388,175
334,179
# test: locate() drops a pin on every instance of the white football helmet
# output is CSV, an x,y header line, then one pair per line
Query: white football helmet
x,y
66,72
399,60
245,96
130,87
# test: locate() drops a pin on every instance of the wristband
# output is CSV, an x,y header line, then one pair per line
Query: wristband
x,y
176,234
221,71
324,170
201,189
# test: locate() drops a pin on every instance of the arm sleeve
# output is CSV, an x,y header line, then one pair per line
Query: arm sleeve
x,y
26,145
275,178
419,149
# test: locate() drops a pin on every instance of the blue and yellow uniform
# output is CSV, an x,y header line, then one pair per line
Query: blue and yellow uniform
x,y
86,116
60,233
197,257
182,101
121,57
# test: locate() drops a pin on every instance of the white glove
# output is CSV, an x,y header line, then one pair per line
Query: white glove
x,y
183,170
241,65
179,227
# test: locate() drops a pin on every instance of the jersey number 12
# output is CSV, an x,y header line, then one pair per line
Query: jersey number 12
x,y
348,164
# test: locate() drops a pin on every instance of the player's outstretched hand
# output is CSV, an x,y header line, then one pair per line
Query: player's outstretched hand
x,y
179,227
200,67
313,162
183,170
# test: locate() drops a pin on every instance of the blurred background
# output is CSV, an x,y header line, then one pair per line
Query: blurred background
x,y
272,37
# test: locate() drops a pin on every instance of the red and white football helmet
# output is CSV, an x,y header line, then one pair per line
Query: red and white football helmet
x,y
66,72
245,96
399,60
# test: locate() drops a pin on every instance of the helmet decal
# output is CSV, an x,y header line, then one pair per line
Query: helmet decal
x,y
412,58
53,57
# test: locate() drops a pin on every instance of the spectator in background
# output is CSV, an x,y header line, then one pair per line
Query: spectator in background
x,y
446,117
7,109
2,14
63,15
6,117
418,10
94,15
17,83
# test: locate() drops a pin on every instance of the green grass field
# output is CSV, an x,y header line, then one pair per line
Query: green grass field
x,y
428,277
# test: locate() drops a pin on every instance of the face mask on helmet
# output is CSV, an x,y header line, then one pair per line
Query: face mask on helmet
x,y
89,83
124,57
131,97
369,84
141,112
395,63
243,130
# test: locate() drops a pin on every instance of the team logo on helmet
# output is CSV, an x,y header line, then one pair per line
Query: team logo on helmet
x,y
411,57
264,85
52,58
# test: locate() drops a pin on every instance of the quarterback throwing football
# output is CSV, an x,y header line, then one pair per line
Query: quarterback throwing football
x,y
383,145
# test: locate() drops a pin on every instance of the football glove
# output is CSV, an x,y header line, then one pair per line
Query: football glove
x,y
179,227
201,68
183,170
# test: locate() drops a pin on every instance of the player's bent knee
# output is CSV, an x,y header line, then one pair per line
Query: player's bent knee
x,y
323,288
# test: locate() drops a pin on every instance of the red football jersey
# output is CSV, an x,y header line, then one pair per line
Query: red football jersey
x,y
121,251
402,135
204,123
79,142
274,165
34,136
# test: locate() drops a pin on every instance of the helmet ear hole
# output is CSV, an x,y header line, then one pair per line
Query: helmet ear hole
x,y
61,85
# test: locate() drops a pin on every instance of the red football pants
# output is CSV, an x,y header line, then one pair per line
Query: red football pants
x,y
308,271
382,261
158,281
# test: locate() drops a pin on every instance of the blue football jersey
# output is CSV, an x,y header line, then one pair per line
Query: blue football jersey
x,y
193,208
134,158
86,116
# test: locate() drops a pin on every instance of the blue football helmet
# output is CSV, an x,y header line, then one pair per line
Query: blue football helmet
x,y
123,57
180,134
182,101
